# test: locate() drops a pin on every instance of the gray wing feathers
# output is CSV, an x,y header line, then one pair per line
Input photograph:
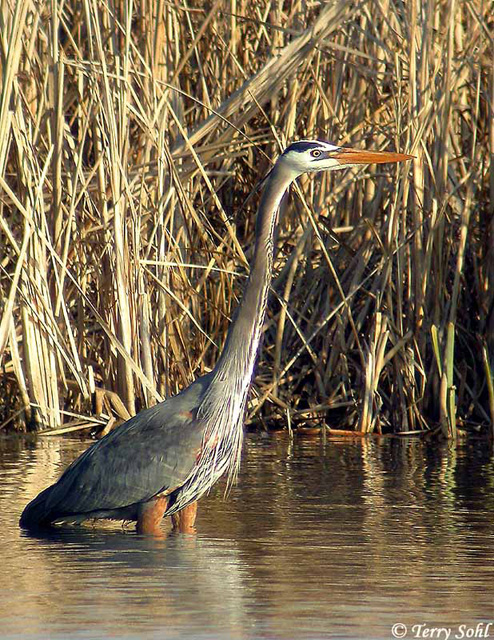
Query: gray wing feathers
x,y
154,451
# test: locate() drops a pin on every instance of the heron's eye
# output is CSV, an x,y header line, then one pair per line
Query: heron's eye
x,y
315,153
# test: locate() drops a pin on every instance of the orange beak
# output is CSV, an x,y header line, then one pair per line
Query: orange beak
x,y
362,156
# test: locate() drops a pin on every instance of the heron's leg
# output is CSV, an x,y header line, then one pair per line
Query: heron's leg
x,y
184,519
150,515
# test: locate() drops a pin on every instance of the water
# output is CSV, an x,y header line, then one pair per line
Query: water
x,y
343,540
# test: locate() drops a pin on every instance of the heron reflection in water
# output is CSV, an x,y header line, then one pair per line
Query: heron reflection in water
x,y
161,461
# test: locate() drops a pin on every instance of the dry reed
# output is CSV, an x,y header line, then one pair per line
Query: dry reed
x,y
131,135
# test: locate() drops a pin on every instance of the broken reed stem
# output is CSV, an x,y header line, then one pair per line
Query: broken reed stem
x,y
129,145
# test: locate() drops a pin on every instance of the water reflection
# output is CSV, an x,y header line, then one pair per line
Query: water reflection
x,y
112,581
344,539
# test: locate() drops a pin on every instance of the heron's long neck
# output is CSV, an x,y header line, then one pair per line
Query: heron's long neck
x,y
239,353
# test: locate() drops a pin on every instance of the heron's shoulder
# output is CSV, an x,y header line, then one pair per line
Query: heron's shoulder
x,y
181,408
176,411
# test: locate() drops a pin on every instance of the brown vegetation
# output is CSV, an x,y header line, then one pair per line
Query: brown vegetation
x,y
131,136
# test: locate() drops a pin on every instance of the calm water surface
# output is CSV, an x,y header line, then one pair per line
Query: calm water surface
x,y
343,540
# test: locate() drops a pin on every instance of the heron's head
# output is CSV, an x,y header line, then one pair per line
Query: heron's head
x,y
317,155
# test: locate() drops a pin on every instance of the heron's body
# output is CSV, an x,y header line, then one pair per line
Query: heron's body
x,y
165,458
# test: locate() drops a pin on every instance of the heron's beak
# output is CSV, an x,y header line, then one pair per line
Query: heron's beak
x,y
362,156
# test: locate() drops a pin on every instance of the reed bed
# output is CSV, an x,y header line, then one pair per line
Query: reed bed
x,y
133,136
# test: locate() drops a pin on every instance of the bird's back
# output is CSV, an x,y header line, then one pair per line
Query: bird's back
x,y
153,452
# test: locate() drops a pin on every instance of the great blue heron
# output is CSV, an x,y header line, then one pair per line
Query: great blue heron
x,y
161,461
